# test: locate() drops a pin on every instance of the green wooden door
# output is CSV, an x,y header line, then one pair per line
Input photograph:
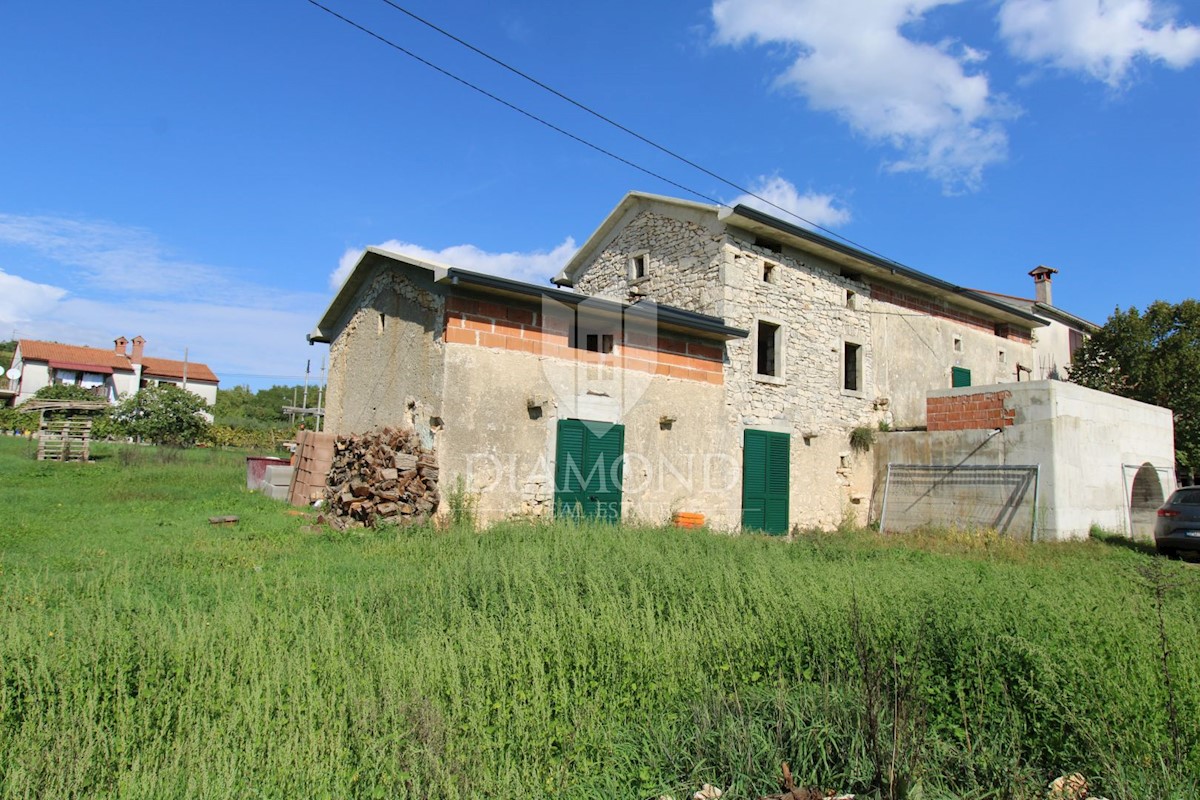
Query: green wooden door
x,y
588,470
765,481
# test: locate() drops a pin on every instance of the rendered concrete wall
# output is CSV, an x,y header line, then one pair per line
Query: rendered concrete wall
x,y
916,351
1087,444
501,413
1052,352
385,365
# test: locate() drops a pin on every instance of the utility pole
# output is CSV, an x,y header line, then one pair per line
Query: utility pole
x,y
307,370
185,355
293,413
320,395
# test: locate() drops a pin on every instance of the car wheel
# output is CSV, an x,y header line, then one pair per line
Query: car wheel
x,y
1169,553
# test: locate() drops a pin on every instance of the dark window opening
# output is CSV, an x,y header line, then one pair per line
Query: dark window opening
x,y
768,244
851,276
637,267
768,274
1001,330
768,346
599,342
851,299
850,367
1074,341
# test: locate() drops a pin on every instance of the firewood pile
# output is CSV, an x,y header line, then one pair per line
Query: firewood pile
x,y
382,477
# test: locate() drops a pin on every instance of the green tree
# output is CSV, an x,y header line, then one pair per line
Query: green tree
x,y
163,414
1153,357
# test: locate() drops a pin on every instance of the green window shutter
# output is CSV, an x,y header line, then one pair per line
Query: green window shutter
x,y
588,469
569,469
959,377
766,480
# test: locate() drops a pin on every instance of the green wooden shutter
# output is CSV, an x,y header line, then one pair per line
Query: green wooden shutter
x,y
959,377
766,481
606,452
569,469
588,470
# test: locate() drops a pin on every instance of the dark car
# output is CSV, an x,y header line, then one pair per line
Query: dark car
x,y
1177,528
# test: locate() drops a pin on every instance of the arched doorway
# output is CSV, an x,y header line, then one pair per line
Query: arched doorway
x,y
1144,499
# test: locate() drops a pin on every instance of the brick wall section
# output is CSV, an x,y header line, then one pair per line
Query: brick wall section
x,y
934,308
985,410
311,463
489,323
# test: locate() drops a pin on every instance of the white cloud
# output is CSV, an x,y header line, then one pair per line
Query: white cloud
x,y
852,59
124,282
22,300
814,209
534,267
111,257
1102,38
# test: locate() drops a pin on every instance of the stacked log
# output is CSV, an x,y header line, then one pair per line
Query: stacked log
x,y
381,477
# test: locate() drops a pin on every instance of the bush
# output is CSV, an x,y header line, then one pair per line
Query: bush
x,y
163,414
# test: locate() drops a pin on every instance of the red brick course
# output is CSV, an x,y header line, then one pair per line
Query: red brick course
x,y
489,323
981,411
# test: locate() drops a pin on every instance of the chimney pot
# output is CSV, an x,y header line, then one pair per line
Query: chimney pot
x,y
119,345
1041,283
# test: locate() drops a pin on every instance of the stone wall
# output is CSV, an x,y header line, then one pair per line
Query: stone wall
x,y
680,251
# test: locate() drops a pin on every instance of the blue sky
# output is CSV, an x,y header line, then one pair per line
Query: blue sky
x,y
201,173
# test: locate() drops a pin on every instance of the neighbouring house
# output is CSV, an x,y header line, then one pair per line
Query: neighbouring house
x,y
712,360
109,373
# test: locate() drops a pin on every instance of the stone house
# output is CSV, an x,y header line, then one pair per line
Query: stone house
x,y
711,360
109,373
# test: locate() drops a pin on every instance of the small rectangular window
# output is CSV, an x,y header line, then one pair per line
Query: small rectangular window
x,y
768,349
960,377
639,267
769,272
958,344
851,299
1001,330
851,367
599,342
1002,357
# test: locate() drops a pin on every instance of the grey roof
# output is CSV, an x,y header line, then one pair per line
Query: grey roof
x,y
668,317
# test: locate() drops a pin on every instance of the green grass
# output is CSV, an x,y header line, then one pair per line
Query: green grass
x,y
146,653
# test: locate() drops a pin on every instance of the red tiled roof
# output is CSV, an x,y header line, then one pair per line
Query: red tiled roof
x,y
168,368
33,350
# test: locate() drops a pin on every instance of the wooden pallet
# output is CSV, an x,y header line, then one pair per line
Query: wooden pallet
x,y
64,439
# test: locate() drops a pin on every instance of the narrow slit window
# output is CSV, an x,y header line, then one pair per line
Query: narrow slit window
x,y
851,367
768,349
769,272
851,299
958,344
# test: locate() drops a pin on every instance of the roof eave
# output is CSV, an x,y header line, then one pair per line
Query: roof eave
x,y
665,316
324,332
873,265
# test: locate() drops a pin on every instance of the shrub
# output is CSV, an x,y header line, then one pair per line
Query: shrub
x,y
163,414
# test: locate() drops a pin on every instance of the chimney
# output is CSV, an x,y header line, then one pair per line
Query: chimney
x,y
138,344
119,345
1041,284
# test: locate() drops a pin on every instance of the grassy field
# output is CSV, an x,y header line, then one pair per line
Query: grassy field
x,y
146,653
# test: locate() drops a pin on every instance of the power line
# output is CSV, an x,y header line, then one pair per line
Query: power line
x,y
609,120
509,105
661,148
